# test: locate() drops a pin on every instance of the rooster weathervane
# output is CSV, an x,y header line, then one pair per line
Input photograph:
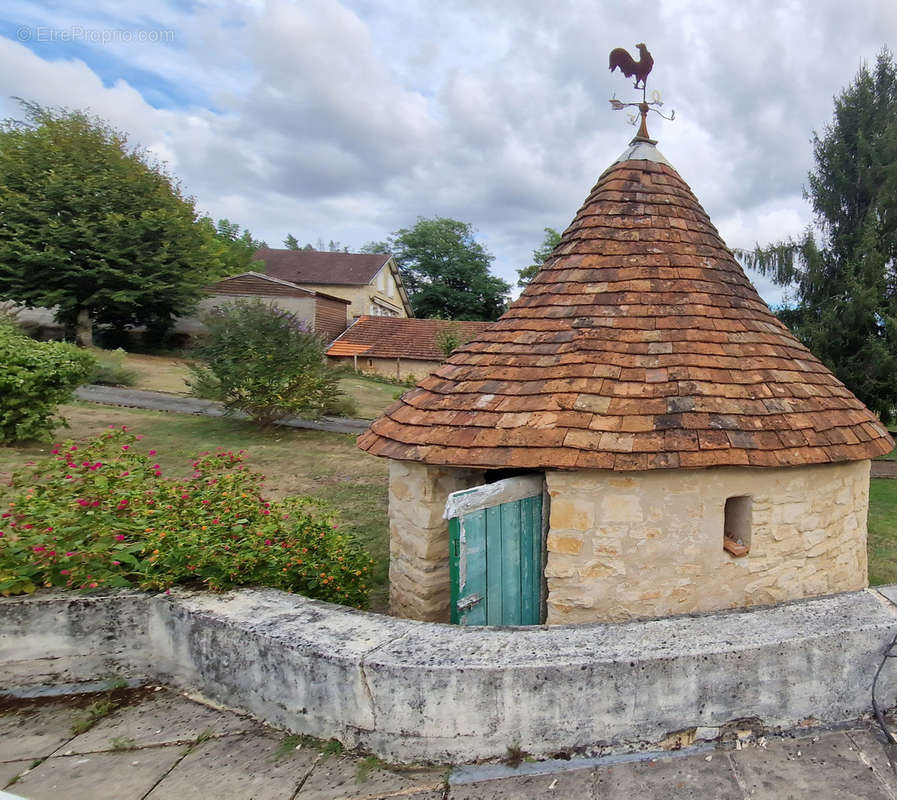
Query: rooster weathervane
x,y
639,70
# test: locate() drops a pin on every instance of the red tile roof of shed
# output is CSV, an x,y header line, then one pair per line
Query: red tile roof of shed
x,y
395,337
640,345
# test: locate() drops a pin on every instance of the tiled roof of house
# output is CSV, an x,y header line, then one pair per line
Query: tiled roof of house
x,y
639,345
393,337
310,266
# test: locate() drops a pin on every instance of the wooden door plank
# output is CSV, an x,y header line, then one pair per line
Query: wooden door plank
x,y
494,555
529,602
474,573
510,562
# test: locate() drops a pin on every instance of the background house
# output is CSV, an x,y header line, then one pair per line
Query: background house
x,y
324,313
370,282
399,348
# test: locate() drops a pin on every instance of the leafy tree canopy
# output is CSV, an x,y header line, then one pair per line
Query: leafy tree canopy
x,y
540,254
93,226
446,271
292,243
844,276
237,248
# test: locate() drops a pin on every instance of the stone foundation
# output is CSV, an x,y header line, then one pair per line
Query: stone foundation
x,y
648,544
419,585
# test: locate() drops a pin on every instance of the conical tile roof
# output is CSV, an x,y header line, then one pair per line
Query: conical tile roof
x,y
640,345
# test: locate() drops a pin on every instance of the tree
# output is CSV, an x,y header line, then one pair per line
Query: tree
x,y
92,226
237,248
540,254
446,271
264,361
844,275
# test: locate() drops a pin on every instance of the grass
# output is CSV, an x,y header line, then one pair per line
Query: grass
x,y
325,465
170,374
92,715
882,531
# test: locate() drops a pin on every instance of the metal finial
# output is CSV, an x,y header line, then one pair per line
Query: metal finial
x,y
639,70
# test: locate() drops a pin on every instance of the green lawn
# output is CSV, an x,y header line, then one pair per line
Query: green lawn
x,y
169,374
325,465
882,531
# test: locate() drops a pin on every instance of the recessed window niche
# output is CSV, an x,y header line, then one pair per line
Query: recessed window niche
x,y
737,526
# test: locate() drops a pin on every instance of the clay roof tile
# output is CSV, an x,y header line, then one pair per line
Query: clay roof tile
x,y
639,345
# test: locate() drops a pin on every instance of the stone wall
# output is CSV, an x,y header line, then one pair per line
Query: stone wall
x,y
412,691
419,585
651,544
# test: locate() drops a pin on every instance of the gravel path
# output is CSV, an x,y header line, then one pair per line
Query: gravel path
x,y
162,401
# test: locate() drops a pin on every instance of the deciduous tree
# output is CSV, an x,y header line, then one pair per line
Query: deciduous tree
x,y
445,271
94,227
549,242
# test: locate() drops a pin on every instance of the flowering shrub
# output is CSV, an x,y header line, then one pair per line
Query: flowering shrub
x,y
35,377
103,514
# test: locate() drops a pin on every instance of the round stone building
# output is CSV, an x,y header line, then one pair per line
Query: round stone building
x,y
694,455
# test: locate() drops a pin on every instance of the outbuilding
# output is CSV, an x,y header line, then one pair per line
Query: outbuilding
x,y
637,436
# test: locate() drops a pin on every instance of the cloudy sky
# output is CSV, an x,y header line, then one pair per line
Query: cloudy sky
x,y
348,119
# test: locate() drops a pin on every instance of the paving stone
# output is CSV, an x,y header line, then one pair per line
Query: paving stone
x,y
36,732
163,718
569,785
685,777
795,769
871,750
10,769
345,778
236,768
98,776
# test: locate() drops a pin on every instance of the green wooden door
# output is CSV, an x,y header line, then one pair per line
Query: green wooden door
x,y
495,541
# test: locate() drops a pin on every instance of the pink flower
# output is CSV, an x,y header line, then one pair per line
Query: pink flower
x,y
95,503
125,446
216,521
184,496
139,436
96,466
39,549
73,448
265,511
116,563
119,537
27,527
151,453
5,514
267,542
51,552
158,473
83,502
70,553
93,585
63,572
55,452
205,502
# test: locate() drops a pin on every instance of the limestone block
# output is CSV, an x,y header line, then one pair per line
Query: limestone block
x,y
620,507
572,514
564,543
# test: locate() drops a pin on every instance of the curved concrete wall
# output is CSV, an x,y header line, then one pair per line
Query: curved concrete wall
x,y
412,691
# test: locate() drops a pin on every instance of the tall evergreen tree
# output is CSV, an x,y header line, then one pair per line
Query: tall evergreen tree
x,y
845,279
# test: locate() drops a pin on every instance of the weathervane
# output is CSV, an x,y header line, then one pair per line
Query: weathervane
x,y
640,70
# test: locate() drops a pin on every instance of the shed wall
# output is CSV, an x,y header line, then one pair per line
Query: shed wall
x,y
651,543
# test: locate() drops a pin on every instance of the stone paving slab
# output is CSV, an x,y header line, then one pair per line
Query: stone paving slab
x,y
681,778
800,768
163,718
10,769
35,733
351,778
98,776
238,767
571,785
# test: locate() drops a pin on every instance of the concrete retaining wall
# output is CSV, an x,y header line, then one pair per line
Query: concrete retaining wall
x,y
411,691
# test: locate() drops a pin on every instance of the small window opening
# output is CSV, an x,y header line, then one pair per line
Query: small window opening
x,y
737,526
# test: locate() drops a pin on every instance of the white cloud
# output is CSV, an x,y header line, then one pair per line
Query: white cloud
x,y
347,120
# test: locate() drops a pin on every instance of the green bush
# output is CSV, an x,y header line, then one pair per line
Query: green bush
x,y
35,377
103,514
263,361
109,368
